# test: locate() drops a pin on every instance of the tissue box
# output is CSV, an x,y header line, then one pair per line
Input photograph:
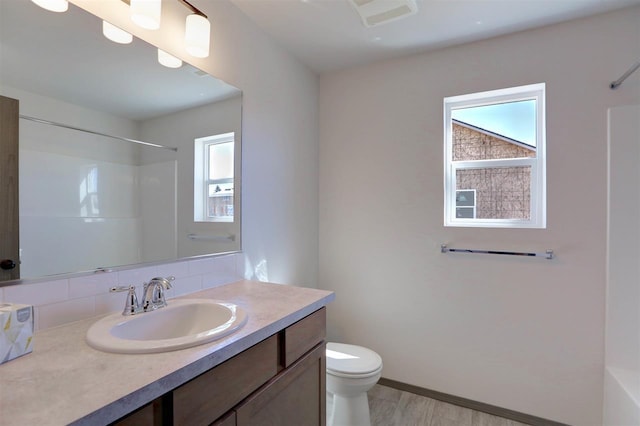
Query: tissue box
x,y
16,331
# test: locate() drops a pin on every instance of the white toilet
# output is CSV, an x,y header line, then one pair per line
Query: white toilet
x,y
351,371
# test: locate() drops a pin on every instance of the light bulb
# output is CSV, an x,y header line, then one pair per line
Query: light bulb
x,y
116,34
146,13
168,60
197,35
53,5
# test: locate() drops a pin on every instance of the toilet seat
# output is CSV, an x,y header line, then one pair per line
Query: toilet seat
x,y
351,361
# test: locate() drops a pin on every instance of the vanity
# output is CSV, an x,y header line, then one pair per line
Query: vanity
x,y
270,371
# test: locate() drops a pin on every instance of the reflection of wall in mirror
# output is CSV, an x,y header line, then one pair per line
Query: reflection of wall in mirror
x,y
181,130
81,195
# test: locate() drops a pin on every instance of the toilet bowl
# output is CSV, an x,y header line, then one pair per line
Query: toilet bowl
x,y
351,371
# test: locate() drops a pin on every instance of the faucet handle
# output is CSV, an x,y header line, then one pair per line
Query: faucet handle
x,y
168,280
120,288
131,305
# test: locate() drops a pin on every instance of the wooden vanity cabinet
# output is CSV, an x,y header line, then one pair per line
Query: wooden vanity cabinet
x,y
146,415
227,420
210,395
294,397
155,413
279,381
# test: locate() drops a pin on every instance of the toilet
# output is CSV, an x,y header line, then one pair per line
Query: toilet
x,y
351,371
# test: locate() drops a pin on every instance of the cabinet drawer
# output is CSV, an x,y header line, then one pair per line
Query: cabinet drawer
x,y
149,415
295,397
210,395
228,420
304,335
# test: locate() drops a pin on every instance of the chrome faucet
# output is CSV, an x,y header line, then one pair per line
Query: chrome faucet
x,y
152,296
153,293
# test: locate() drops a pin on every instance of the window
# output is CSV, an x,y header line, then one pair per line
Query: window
x,y
214,178
466,203
494,174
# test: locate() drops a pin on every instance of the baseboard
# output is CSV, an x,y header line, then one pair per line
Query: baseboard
x,y
468,403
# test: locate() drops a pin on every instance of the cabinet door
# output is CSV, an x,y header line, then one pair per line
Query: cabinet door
x,y
227,420
149,415
9,214
210,395
301,337
294,397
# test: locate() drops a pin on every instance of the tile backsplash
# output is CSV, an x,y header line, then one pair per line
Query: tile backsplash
x,y
66,300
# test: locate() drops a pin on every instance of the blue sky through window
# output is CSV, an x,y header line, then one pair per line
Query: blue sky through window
x,y
516,120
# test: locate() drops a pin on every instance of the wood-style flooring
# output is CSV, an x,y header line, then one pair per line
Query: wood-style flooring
x,y
393,407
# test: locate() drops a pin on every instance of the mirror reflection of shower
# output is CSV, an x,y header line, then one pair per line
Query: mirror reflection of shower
x,y
107,200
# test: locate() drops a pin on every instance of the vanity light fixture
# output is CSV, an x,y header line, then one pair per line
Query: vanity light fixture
x,y
146,13
168,60
53,5
197,32
116,34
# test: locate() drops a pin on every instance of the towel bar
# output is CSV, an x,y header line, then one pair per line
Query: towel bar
x,y
547,254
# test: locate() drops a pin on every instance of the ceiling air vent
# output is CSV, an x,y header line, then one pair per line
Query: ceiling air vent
x,y
376,12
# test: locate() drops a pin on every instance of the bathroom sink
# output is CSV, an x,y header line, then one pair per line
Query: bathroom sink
x,y
181,324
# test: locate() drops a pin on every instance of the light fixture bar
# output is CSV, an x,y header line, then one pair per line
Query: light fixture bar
x,y
193,8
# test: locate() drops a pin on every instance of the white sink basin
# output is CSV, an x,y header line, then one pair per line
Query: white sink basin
x,y
181,324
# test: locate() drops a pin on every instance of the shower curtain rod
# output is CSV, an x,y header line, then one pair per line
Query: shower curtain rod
x,y
618,82
120,138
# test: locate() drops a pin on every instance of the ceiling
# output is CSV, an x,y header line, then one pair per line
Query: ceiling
x,y
328,35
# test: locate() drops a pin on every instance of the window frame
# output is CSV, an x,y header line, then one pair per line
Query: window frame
x,y
201,177
537,218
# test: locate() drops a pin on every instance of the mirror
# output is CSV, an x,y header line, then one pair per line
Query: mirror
x,y
89,201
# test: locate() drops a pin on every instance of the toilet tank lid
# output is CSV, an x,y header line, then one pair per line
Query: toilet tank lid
x,y
352,359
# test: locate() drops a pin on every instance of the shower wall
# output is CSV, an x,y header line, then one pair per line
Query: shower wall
x,y
88,207
83,197
622,341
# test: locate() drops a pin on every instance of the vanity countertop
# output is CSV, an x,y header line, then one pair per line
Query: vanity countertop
x,y
65,381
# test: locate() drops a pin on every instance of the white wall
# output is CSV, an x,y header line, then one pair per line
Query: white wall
x,y
622,337
524,334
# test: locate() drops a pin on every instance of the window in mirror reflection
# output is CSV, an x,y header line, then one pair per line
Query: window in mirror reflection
x,y
214,178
